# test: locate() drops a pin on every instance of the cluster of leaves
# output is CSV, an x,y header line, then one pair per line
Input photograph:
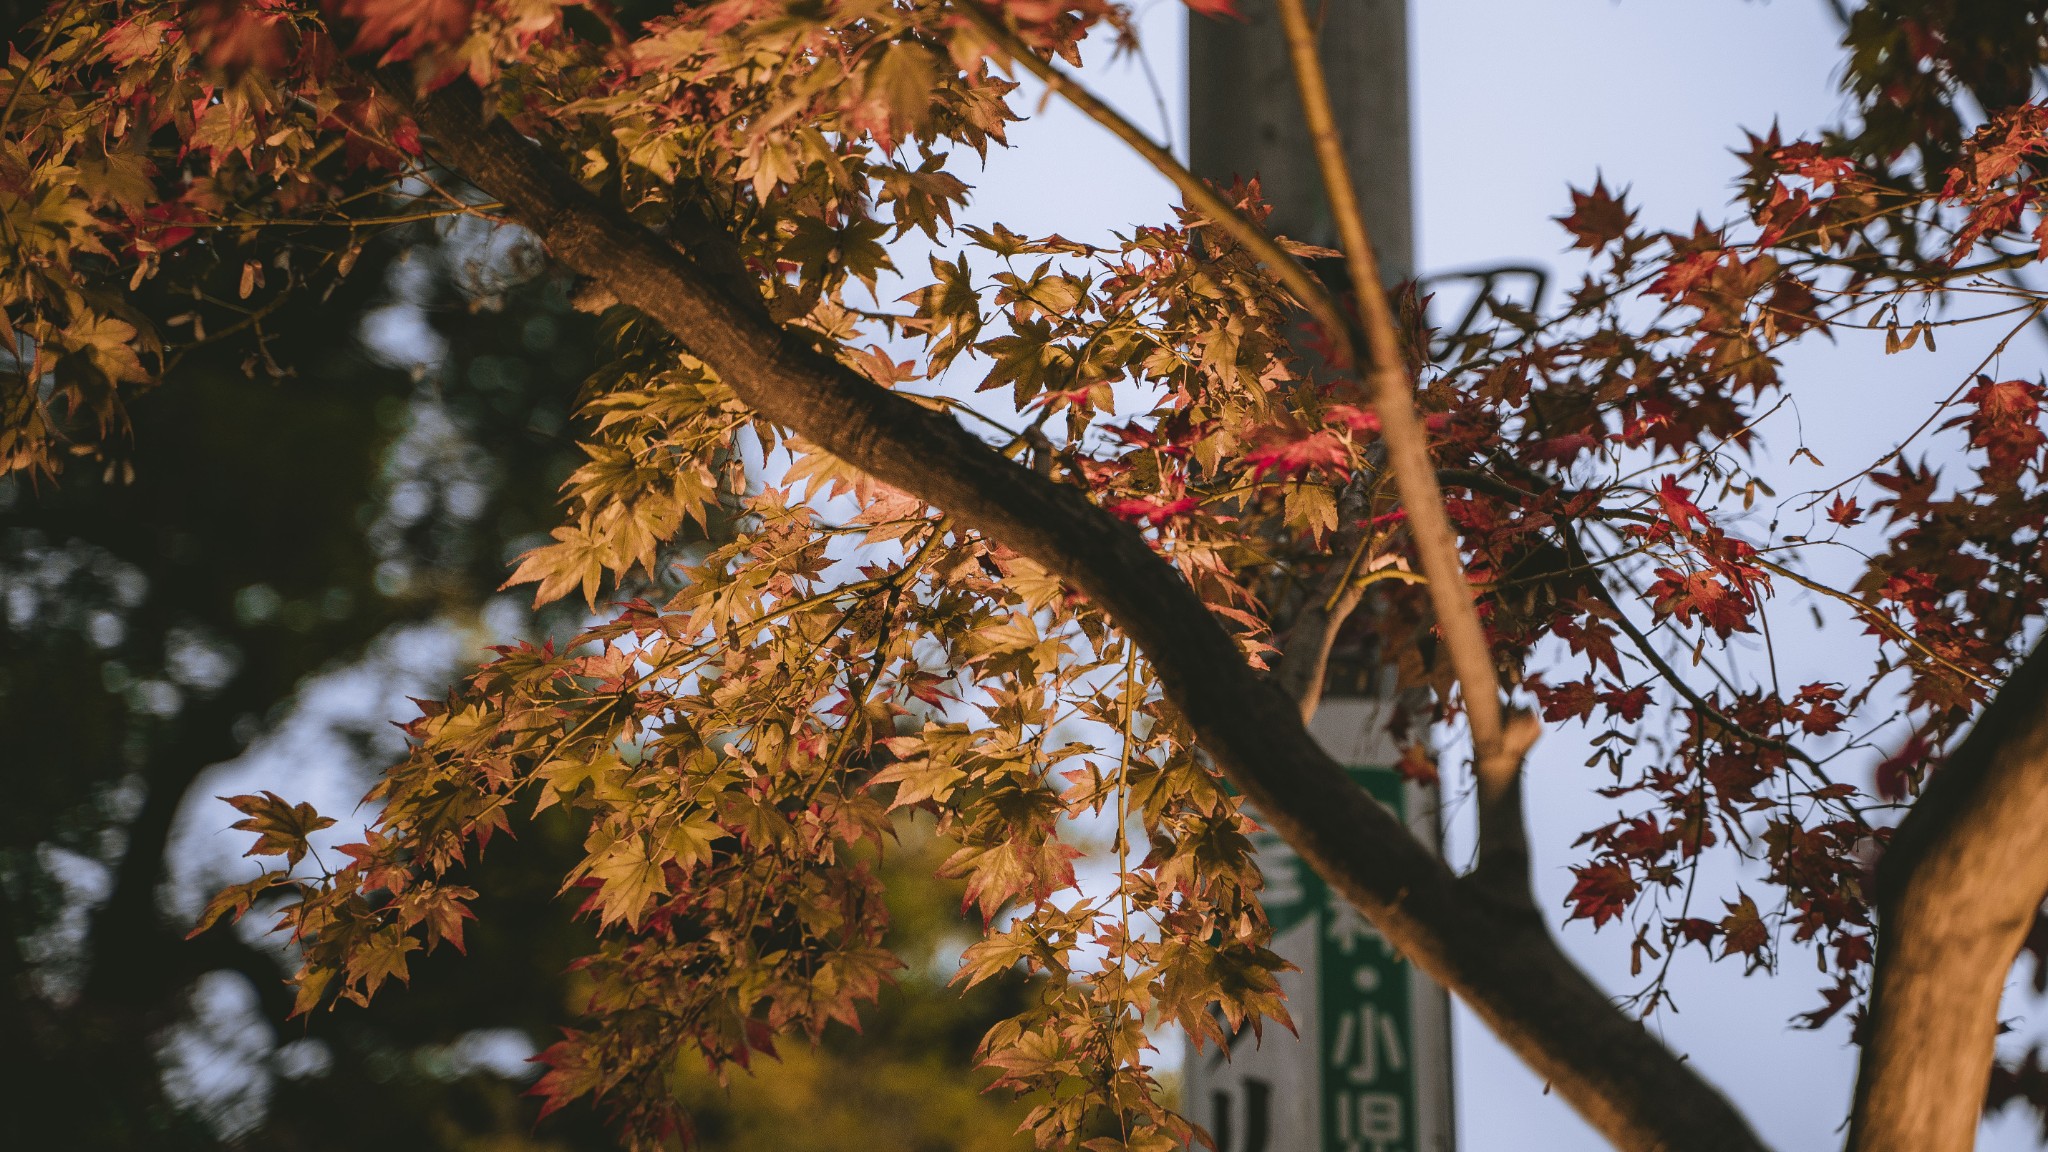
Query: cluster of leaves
x,y
839,651
1594,440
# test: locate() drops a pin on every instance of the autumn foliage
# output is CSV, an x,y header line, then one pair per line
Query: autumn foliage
x,y
785,654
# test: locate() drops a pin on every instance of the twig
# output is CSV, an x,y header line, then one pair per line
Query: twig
x,y
1305,656
1436,542
1297,279
481,211
1876,617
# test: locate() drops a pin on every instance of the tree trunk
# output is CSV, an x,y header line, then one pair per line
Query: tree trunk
x,y
1957,892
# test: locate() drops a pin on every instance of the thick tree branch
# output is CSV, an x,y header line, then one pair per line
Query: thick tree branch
x,y
1957,891
1503,868
1501,961
1500,749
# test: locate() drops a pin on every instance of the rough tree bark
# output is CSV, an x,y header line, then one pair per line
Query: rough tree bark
x,y
1496,955
1956,892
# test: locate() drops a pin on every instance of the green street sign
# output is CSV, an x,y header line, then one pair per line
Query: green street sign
x,y
1370,1070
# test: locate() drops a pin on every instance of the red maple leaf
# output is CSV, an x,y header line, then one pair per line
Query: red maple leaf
x,y
1294,457
1678,504
1992,216
135,38
1805,160
1603,892
1833,1000
2006,424
1152,512
1995,152
1743,930
1640,839
1357,419
1693,260
1598,218
1574,700
1562,449
1717,605
404,29
1821,714
1628,703
237,35
1216,9
1897,773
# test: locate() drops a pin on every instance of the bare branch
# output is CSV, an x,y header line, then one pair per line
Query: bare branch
x,y
1305,655
1305,658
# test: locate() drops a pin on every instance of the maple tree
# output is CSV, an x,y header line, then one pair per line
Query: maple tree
x,y
1072,529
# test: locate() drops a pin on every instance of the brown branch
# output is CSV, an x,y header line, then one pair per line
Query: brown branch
x,y
1500,743
1392,394
1876,616
1501,961
1393,398
1305,655
1957,891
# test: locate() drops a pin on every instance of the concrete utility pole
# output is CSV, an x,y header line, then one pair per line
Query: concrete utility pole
x,y
1371,1069
1244,119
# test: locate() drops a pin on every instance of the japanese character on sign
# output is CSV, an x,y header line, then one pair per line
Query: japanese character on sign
x,y
1346,927
1367,1043
1370,1121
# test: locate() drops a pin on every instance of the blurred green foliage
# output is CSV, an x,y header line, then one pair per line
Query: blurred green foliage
x,y
282,511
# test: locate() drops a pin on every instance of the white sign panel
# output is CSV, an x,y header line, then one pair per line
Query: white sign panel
x,y
1370,1070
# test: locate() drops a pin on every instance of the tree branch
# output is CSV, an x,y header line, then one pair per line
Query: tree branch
x,y
1305,655
1502,963
1291,273
1503,868
1957,891
1401,429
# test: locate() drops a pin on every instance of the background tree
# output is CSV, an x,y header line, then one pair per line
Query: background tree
x,y
165,614
1065,617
